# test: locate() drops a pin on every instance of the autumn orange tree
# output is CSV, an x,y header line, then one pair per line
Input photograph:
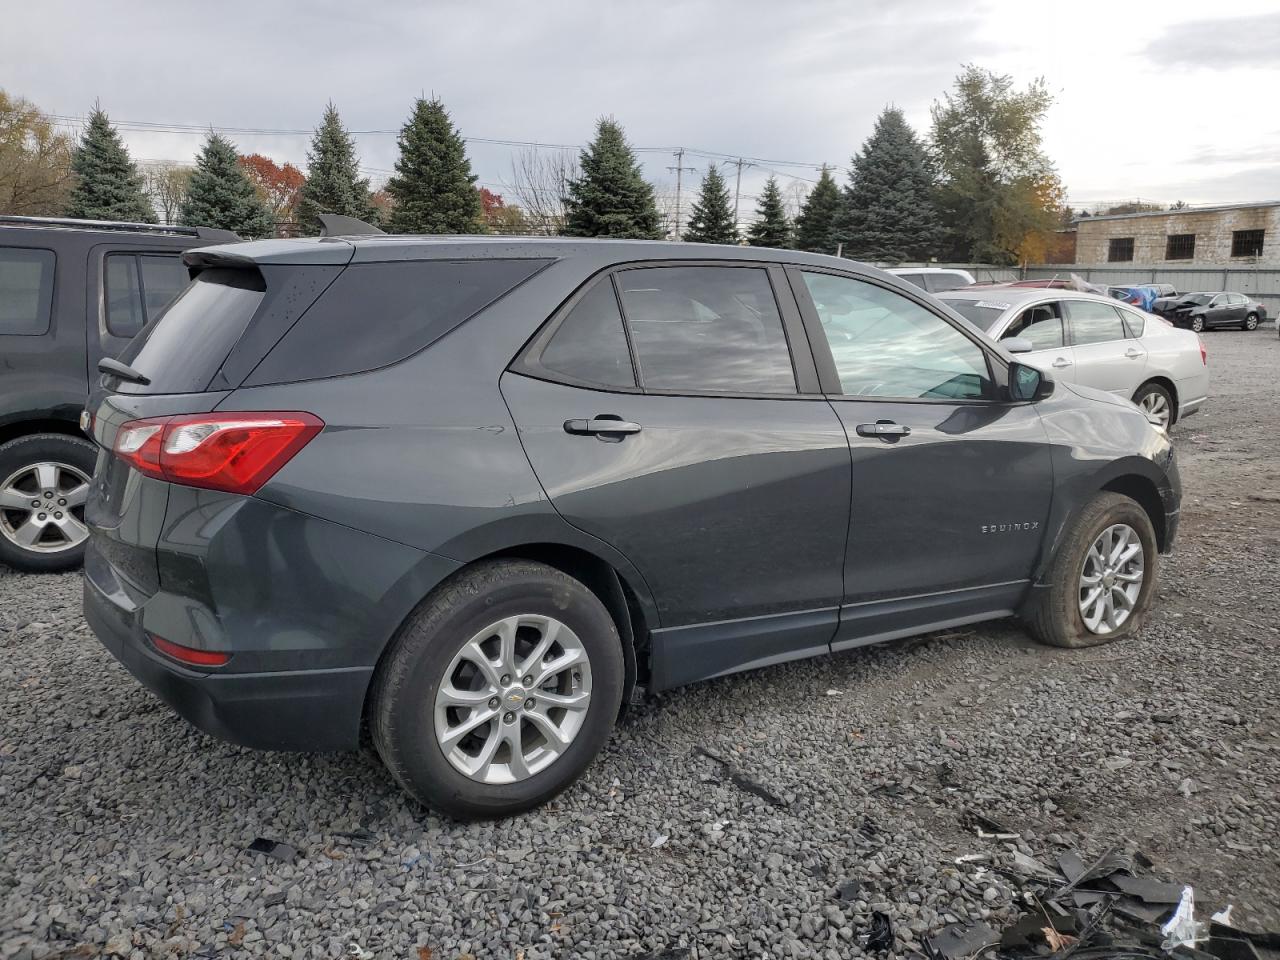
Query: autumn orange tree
x,y
278,186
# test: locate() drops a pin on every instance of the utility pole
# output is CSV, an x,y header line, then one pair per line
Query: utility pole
x,y
679,168
737,189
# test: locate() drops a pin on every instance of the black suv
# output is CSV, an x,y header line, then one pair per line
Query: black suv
x,y
71,292
475,492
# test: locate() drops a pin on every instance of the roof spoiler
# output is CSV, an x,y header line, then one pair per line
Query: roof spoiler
x,y
120,226
336,225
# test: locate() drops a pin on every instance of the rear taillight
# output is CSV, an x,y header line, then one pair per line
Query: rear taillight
x,y
235,452
1204,354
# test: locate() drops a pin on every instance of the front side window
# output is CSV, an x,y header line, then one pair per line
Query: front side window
x,y
590,345
885,345
1094,322
706,329
1041,325
26,290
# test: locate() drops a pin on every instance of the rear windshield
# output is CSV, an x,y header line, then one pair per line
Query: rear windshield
x,y
981,313
181,350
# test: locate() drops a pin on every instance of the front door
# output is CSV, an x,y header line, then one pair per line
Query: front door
x,y
695,455
951,484
1106,357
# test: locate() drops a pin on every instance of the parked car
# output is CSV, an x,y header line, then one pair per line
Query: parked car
x,y
934,279
1097,342
1199,311
71,292
540,474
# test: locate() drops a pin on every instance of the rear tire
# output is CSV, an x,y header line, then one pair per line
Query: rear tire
x,y
39,533
1054,614
434,664
1156,401
1251,322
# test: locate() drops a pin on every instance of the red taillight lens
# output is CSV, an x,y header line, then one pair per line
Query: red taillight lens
x,y
198,658
1204,354
236,452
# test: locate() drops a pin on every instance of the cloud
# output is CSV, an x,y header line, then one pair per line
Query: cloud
x,y
1219,44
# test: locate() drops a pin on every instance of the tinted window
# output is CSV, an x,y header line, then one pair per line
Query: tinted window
x,y
706,328
590,344
885,345
1236,298
124,296
916,278
1040,324
26,290
981,313
1093,322
162,279
375,314
937,282
182,350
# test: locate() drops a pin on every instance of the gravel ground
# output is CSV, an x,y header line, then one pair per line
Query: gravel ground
x,y
123,831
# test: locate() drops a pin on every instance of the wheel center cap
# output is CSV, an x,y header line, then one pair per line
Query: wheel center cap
x,y
514,696
1108,579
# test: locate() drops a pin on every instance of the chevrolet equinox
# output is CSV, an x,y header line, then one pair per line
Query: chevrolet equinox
x,y
472,493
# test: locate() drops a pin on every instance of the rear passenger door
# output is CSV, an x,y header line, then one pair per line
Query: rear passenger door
x,y
673,411
1106,357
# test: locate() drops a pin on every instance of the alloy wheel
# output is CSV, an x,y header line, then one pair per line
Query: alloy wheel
x,y
42,507
513,699
1251,322
1155,405
1111,579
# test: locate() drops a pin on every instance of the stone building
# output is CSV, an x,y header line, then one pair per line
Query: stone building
x,y
1244,234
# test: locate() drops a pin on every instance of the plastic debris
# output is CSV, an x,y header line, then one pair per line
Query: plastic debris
x,y
283,852
880,938
1223,916
959,940
660,840
849,890
741,780
1183,930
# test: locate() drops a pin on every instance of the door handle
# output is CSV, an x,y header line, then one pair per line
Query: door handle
x,y
1133,354
606,428
884,429
1062,362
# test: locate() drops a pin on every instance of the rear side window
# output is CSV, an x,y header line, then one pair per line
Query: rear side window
x,y
1040,325
1094,322
375,314
26,290
914,278
1134,322
590,345
706,329
181,350
137,288
938,282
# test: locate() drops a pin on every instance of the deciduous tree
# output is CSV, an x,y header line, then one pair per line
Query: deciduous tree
x,y
221,195
433,187
887,209
711,220
333,183
771,227
999,189
279,187
107,183
166,185
35,161
610,198
540,181
816,224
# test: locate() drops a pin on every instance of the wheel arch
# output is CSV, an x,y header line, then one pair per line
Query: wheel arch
x,y
1169,387
1144,491
26,428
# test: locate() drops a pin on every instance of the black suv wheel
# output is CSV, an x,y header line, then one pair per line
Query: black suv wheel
x,y
44,482
499,691
1100,584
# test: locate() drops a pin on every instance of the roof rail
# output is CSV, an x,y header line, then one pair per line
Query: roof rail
x,y
336,225
120,226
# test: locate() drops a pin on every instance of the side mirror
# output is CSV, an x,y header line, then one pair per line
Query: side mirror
x,y
1028,384
1017,345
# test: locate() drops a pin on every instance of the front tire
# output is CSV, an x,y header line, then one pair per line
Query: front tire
x,y
1251,322
499,691
1197,324
44,483
1101,581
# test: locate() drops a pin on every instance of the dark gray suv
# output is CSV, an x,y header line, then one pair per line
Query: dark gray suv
x,y
476,492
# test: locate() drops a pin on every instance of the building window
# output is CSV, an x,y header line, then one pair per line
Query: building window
x,y
1120,249
1180,246
1247,243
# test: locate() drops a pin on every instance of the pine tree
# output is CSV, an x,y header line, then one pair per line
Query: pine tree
x,y
771,229
107,184
611,197
711,220
816,224
433,188
333,182
888,207
220,195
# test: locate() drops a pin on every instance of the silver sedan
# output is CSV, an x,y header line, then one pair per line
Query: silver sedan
x,y
1095,342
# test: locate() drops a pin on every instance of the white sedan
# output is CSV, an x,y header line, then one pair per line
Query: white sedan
x,y
1096,342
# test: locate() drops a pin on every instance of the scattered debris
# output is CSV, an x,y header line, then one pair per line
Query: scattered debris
x,y
1183,930
659,840
834,693
357,952
880,937
849,890
361,837
1223,916
959,940
741,780
283,852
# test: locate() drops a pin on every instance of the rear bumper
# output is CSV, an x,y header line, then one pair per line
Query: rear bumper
x,y
295,710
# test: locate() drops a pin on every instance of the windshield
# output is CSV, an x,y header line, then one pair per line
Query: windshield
x,y
983,314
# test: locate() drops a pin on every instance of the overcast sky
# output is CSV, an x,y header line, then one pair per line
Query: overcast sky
x,y
1170,100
